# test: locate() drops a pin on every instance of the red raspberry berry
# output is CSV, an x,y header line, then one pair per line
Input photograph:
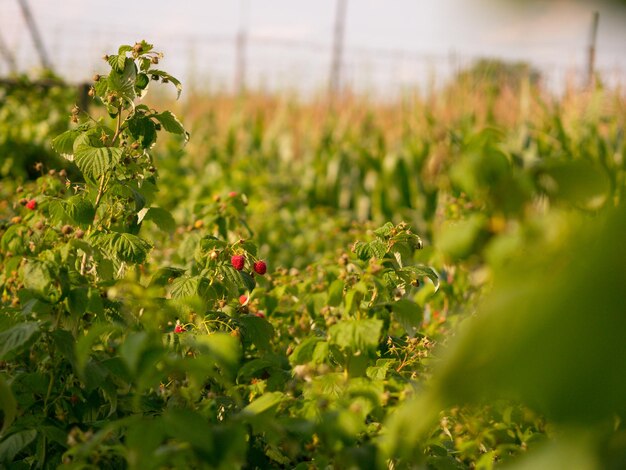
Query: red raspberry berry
x,y
232,194
32,205
260,314
243,299
238,261
179,329
260,267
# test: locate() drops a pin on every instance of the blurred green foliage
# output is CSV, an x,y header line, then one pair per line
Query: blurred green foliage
x,y
443,291
32,112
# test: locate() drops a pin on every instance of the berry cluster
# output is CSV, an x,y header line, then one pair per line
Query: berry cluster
x,y
179,328
260,267
239,261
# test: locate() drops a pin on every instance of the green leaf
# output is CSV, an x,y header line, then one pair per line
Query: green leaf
x,y
95,304
143,438
356,335
102,87
117,62
254,367
480,171
32,308
124,48
93,375
94,161
8,405
142,82
163,275
385,230
207,244
191,428
409,315
551,331
136,350
249,247
579,182
109,390
12,240
222,348
263,404
80,210
577,450
84,344
76,210
129,190
423,271
122,79
144,64
167,76
380,370
18,336
258,331
64,143
78,301
14,444
335,292
248,281
65,342
188,286
378,248
233,281
125,246
145,46
303,352
171,123
44,279
437,462
412,241
459,239
162,218
362,250
143,130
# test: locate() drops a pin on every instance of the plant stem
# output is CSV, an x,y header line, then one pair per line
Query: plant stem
x,y
83,264
121,269
100,191
49,392
118,128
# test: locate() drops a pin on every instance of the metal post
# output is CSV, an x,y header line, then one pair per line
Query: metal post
x,y
334,83
240,49
8,56
591,59
34,32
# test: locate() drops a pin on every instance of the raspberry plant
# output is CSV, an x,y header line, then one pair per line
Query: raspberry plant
x,y
75,241
197,355
115,160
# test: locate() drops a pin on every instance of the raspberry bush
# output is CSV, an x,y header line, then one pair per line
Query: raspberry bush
x,y
192,304
112,361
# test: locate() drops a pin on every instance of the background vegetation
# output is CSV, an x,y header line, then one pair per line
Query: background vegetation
x,y
444,285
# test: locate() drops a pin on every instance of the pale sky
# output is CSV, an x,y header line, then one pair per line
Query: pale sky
x,y
388,43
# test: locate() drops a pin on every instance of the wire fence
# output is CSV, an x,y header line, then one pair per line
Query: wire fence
x,y
209,61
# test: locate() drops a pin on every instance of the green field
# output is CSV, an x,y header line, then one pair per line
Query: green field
x,y
265,281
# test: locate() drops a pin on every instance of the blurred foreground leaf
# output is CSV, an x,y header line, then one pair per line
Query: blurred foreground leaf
x,y
550,335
